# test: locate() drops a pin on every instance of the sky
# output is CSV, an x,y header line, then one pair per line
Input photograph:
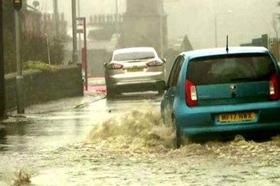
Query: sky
x,y
241,20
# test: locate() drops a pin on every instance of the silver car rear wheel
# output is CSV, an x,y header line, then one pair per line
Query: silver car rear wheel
x,y
111,92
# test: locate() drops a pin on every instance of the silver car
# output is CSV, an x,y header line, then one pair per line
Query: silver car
x,y
135,69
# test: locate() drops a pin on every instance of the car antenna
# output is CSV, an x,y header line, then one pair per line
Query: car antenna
x,y
227,44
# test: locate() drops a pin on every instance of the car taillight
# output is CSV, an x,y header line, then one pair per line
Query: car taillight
x,y
114,66
274,87
191,96
154,63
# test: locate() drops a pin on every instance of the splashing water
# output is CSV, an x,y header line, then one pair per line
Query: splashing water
x,y
21,177
142,131
138,131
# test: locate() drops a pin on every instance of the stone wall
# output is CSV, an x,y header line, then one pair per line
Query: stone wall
x,y
42,86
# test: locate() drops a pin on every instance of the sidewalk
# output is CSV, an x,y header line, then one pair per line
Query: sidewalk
x,y
56,105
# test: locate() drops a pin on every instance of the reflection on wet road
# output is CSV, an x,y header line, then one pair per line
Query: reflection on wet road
x,y
65,126
24,138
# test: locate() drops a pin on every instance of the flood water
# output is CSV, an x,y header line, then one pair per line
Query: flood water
x,y
124,142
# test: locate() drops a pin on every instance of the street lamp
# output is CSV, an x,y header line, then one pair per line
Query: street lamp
x,y
161,16
74,33
117,16
80,36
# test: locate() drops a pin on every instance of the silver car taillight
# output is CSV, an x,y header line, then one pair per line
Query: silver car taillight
x,y
154,63
114,66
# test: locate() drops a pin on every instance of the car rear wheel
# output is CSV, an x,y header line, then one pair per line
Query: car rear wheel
x,y
178,140
110,93
178,137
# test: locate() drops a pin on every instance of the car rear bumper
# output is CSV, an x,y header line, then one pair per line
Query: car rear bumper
x,y
253,131
136,86
203,122
135,83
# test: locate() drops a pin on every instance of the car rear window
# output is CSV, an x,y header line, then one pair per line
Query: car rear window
x,y
230,68
134,55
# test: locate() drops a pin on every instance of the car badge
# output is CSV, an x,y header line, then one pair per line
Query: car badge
x,y
232,88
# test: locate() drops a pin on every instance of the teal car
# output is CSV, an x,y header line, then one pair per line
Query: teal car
x,y
219,93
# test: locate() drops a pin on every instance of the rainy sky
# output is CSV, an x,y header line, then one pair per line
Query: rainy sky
x,y
242,20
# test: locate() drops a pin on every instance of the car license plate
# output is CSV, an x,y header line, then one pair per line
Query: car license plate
x,y
237,117
134,70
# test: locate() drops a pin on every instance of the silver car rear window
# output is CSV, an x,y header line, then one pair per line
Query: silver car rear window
x,y
133,55
230,68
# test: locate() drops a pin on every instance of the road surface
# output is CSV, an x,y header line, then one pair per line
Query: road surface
x,y
95,141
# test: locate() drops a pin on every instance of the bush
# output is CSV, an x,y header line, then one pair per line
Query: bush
x,y
33,40
39,65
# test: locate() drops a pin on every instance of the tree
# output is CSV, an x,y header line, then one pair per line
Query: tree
x,y
33,37
9,39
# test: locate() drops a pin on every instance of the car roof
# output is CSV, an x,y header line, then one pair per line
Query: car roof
x,y
223,51
133,49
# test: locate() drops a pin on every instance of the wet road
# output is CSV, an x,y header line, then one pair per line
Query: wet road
x,y
27,138
95,141
62,126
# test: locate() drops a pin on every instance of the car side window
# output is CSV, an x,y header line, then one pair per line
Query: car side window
x,y
174,74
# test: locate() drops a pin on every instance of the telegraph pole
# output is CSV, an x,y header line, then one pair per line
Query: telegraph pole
x,y
19,77
74,32
117,16
161,34
80,36
2,76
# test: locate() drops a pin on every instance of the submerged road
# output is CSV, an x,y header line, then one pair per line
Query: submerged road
x,y
26,139
94,141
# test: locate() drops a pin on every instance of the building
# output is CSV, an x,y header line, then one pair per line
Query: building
x,y
144,24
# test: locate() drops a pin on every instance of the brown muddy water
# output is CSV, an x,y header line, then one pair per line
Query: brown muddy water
x,y
135,148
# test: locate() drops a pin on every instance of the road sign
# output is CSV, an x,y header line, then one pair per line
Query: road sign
x,y
80,23
17,4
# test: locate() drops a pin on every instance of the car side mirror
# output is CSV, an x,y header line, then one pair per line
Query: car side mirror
x,y
105,65
164,60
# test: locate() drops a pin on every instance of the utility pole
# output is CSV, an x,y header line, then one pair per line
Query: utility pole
x,y
80,36
85,52
161,34
74,32
2,76
19,77
117,17
56,18
82,22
